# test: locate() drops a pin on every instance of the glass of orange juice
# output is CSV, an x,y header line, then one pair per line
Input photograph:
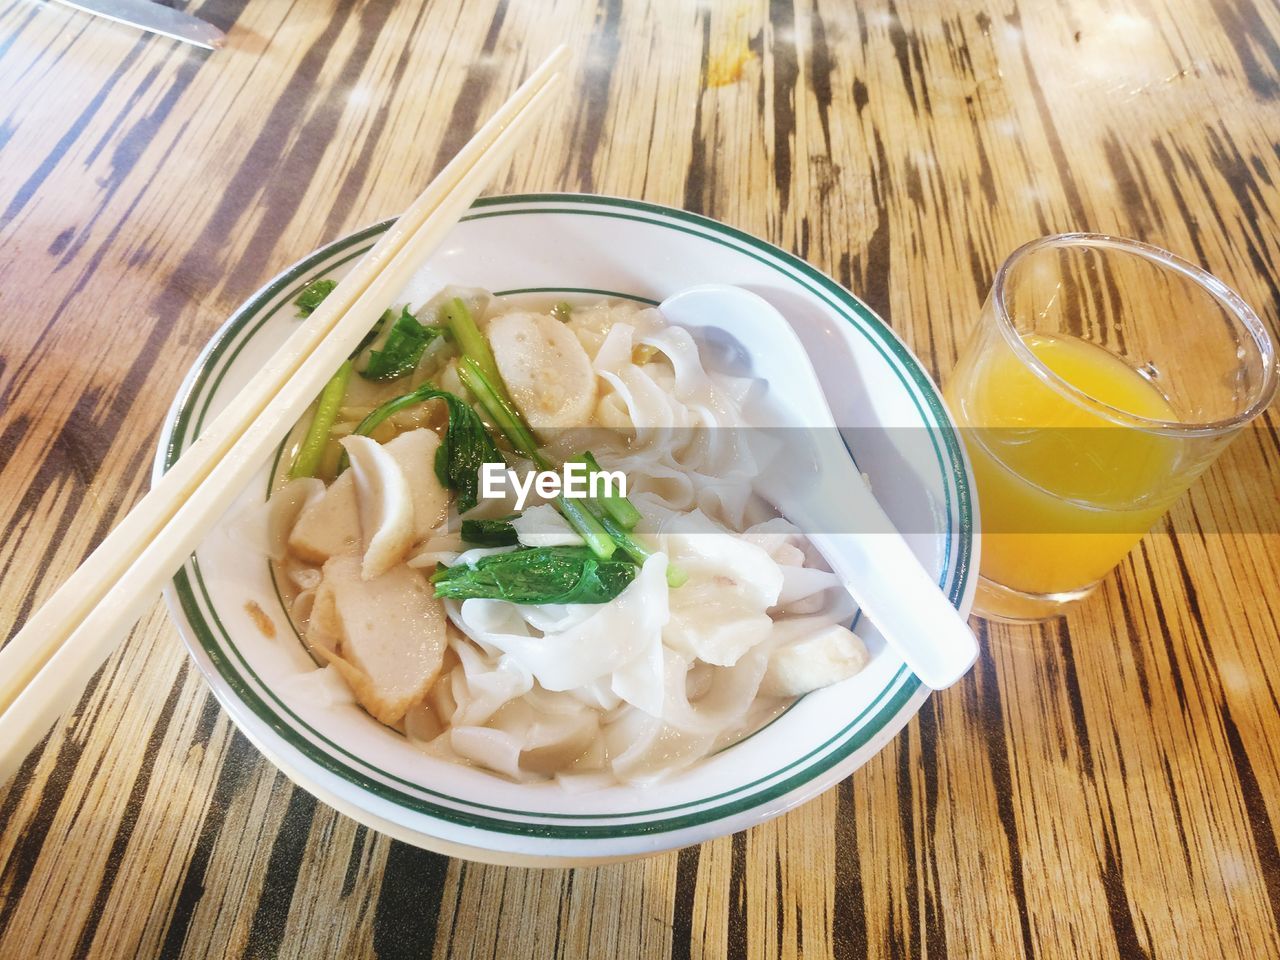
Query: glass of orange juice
x,y
1104,377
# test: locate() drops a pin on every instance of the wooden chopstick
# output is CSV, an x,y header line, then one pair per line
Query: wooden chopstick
x,y
58,649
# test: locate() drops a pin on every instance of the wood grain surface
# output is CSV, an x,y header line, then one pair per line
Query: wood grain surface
x,y
1108,786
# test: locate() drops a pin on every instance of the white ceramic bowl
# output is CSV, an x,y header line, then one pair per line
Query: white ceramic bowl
x,y
593,246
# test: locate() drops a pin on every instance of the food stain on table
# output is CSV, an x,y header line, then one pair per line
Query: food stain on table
x,y
733,52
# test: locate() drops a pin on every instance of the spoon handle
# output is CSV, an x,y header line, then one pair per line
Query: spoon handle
x,y
895,592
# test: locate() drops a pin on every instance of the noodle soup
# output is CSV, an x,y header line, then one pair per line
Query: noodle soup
x,y
614,638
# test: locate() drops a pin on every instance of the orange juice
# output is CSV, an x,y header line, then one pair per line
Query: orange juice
x,y
1065,491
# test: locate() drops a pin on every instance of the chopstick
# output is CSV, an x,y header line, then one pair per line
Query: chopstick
x,y
64,642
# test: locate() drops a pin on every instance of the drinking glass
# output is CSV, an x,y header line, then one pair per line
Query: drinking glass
x,y
1104,376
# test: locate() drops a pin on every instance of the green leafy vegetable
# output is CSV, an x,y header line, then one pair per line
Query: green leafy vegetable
x,y
490,533
466,446
402,349
312,449
510,423
313,295
537,575
478,372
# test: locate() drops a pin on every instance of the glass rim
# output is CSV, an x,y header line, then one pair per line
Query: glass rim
x,y
1224,295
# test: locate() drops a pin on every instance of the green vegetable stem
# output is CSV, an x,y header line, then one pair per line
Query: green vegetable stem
x,y
504,414
500,410
472,343
327,407
619,516
612,502
638,552
587,525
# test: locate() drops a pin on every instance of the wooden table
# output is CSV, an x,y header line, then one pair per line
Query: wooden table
x,y
1103,787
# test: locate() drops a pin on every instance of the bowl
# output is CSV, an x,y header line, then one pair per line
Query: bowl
x,y
232,618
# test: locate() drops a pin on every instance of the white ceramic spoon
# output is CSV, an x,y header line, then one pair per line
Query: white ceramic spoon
x,y
817,486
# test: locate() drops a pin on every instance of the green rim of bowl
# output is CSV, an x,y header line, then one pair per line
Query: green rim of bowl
x,y
191,408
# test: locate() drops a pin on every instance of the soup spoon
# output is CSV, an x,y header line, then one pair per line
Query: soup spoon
x,y
817,486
